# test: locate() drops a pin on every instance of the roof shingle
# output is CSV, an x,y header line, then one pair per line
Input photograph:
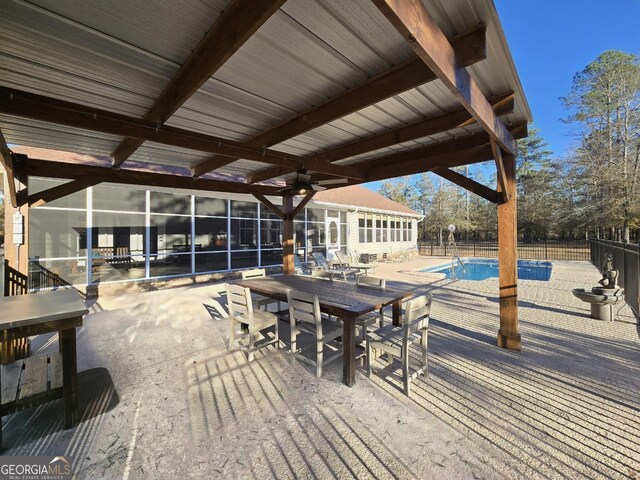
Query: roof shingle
x,y
358,196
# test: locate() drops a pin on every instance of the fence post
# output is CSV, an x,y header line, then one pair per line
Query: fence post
x,y
546,254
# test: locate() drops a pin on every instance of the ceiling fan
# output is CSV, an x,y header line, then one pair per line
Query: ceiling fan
x,y
302,184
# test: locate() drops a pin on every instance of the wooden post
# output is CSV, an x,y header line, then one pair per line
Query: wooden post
x,y
508,335
16,256
287,235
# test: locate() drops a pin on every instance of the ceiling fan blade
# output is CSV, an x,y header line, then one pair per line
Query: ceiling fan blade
x,y
332,181
317,188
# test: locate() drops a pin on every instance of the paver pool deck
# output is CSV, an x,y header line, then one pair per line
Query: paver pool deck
x,y
162,397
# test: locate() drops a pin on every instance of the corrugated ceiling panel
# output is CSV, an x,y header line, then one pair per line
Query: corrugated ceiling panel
x,y
119,56
150,26
45,53
151,152
21,131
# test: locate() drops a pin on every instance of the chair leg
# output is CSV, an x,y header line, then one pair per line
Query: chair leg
x,y
425,360
252,342
232,331
293,339
368,355
424,340
405,370
277,334
319,357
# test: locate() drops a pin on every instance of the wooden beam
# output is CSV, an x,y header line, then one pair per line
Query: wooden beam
x,y
422,33
37,107
425,158
508,335
503,105
287,236
471,48
456,158
467,183
267,203
44,168
500,173
302,204
59,191
237,23
6,158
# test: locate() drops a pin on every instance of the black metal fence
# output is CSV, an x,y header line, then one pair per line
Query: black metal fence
x,y
542,250
626,259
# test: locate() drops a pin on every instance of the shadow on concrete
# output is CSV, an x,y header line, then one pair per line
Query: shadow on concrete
x,y
40,431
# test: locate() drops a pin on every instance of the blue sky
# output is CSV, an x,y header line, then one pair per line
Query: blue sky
x,y
551,41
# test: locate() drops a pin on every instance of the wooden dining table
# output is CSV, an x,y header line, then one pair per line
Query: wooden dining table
x,y
344,300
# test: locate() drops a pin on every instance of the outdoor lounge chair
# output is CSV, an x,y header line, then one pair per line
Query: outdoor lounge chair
x,y
345,263
321,261
241,312
396,341
303,268
305,317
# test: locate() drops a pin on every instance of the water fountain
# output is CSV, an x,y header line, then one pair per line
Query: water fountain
x,y
605,295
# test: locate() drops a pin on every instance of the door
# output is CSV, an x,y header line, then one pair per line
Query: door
x,y
333,234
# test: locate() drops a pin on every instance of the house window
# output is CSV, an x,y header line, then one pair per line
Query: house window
x,y
378,228
385,230
362,235
247,229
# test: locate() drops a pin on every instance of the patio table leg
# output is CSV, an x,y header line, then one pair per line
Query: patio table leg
x,y
67,339
348,351
397,310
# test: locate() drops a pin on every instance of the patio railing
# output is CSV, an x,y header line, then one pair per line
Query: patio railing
x,y
542,250
626,259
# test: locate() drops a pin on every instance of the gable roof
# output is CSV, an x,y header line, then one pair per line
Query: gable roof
x,y
357,196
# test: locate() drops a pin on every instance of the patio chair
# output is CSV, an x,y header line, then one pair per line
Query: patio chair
x,y
396,341
241,312
305,317
321,261
258,300
371,318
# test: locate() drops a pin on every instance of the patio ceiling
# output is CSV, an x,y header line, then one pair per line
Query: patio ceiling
x,y
240,94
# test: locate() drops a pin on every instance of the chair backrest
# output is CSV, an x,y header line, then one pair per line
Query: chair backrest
x,y
417,314
341,258
297,265
303,307
254,273
370,281
239,301
320,260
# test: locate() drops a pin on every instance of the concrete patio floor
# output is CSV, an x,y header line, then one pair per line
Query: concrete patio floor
x,y
162,397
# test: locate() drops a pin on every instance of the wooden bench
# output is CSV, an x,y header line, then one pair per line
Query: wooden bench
x,y
30,382
110,255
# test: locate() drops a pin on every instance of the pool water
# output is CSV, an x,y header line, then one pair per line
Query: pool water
x,y
481,269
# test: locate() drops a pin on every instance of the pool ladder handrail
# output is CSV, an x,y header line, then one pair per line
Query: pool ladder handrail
x,y
454,269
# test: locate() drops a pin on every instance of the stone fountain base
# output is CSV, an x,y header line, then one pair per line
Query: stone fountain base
x,y
601,299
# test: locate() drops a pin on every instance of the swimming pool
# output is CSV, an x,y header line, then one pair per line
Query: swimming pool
x,y
481,269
